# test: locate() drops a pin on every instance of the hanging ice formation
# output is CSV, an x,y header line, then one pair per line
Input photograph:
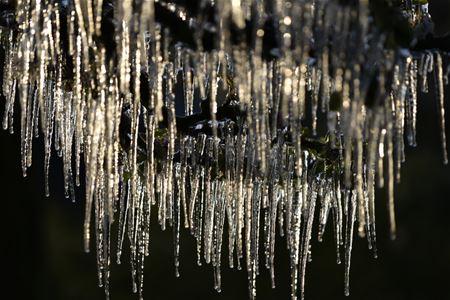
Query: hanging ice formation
x,y
252,113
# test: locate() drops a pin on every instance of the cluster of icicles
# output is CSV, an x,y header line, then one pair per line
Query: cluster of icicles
x,y
251,175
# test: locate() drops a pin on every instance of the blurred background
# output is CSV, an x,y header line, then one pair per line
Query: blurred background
x,y
42,248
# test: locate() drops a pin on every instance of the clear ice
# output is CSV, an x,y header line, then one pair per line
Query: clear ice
x,y
223,137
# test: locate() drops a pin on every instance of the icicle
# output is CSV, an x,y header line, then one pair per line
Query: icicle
x,y
307,236
426,67
438,78
349,238
390,167
412,111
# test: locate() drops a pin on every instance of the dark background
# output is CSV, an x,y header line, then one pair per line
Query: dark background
x,y
42,249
